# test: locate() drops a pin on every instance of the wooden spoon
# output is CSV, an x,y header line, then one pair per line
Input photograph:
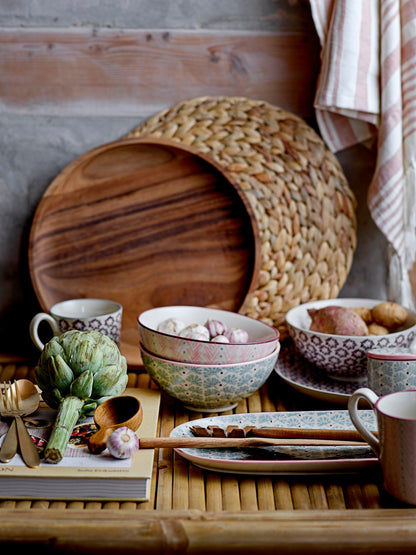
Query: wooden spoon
x,y
123,410
241,442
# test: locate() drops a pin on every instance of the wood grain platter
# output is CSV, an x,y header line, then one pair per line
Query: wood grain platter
x,y
144,222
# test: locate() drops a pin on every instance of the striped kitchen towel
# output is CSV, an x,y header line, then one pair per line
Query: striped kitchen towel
x,y
367,88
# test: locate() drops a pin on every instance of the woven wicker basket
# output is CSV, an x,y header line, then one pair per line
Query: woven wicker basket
x,y
303,204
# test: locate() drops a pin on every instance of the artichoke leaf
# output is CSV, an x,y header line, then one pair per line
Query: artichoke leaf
x,y
52,398
82,386
89,407
105,379
119,387
84,354
60,373
52,348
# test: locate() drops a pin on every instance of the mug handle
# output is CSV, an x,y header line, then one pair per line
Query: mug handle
x,y
372,398
34,325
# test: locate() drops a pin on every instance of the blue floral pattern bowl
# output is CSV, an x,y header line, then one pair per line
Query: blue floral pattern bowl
x,y
209,387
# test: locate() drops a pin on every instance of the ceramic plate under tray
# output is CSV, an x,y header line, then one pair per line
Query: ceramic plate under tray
x,y
307,378
282,459
146,223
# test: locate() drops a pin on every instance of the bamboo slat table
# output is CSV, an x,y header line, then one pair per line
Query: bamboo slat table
x,y
195,511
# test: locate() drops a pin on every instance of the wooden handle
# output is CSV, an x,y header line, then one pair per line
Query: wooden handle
x,y
98,441
276,432
307,433
220,442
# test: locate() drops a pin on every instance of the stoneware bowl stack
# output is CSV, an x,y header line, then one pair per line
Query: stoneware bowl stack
x,y
207,376
343,357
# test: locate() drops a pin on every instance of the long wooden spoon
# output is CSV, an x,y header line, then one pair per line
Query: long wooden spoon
x,y
276,432
225,442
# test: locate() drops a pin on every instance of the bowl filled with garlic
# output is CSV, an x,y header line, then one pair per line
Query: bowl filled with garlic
x,y
209,387
203,335
336,334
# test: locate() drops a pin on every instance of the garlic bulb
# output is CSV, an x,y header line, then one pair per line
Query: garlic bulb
x,y
122,443
220,339
215,327
236,335
172,326
195,331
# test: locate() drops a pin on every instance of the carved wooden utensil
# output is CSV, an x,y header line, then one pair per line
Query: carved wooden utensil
x,y
275,432
123,410
229,442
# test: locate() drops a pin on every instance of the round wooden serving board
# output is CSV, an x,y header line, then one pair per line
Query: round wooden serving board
x,y
146,223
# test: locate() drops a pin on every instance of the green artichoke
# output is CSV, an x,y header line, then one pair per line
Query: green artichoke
x,y
76,372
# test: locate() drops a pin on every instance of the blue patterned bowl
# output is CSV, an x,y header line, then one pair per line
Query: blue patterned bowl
x,y
343,357
208,387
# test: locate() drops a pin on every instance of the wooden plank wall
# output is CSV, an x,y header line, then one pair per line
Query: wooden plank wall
x,y
124,72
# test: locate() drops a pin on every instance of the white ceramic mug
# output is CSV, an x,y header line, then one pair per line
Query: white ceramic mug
x,y
80,314
390,370
396,442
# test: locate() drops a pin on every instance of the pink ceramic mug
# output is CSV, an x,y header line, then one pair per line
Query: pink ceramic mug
x,y
396,442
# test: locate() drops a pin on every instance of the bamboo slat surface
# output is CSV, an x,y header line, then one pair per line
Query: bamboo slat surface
x,y
186,501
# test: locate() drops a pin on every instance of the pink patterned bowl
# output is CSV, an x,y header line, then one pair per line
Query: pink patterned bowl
x,y
343,357
262,338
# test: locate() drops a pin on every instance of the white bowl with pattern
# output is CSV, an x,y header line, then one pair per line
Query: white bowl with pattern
x,y
262,338
343,357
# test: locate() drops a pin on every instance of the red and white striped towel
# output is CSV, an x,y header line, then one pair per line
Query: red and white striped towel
x,y
367,88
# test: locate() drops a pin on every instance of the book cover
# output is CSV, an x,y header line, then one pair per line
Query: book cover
x,y
81,475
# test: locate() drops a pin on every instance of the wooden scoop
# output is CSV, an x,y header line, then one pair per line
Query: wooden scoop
x,y
124,410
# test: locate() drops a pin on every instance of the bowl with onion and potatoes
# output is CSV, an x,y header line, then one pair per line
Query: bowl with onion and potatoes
x,y
203,335
336,334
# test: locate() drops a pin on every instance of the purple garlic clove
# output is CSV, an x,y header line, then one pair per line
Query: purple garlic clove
x,y
215,327
219,339
195,331
236,335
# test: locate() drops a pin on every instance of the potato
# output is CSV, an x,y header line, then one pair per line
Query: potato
x,y
376,329
364,313
388,314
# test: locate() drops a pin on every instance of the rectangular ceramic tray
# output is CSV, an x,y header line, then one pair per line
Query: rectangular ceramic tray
x,y
283,459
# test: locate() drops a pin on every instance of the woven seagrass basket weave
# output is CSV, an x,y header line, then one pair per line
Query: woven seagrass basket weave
x,y
304,207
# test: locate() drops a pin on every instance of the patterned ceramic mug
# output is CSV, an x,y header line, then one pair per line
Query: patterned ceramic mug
x,y
390,370
80,314
396,442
